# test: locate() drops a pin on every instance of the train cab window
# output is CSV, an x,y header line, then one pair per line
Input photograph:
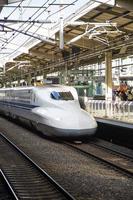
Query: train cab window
x,y
55,95
62,95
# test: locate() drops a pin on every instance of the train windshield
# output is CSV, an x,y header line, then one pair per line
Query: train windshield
x,y
62,95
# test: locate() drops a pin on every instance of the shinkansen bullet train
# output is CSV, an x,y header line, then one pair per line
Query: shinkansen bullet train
x,y
54,110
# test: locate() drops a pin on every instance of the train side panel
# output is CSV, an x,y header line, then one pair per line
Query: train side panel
x,y
55,111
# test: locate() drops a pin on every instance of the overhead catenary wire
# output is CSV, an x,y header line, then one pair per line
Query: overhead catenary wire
x,y
46,8
13,35
15,9
21,26
39,26
25,41
25,33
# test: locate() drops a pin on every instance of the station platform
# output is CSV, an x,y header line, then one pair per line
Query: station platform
x,y
115,131
115,122
121,112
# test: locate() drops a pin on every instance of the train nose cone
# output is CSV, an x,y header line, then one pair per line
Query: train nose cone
x,y
76,125
79,120
67,122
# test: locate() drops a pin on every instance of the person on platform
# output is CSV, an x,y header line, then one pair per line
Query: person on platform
x,y
129,96
123,96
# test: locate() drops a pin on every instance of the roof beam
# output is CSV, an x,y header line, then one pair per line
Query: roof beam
x,y
5,20
124,25
83,42
100,12
90,5
117,15
128,4
40,54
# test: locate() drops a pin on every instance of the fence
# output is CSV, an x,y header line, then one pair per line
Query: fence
x,y
122,110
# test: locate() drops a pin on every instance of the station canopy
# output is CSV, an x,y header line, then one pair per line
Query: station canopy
x,y
31,33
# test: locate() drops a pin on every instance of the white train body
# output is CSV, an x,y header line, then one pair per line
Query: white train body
x,y
53,110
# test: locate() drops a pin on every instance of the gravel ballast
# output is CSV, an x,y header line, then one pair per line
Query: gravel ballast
x,y
83,177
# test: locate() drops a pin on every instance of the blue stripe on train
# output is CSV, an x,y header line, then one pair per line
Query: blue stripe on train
x,y
18,105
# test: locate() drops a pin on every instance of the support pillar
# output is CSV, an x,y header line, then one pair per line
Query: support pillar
x,y
61,34
108,82
108,75
18,81
44,77
64,75
29,79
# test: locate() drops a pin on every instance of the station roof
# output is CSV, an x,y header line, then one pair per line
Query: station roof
x,y
85,39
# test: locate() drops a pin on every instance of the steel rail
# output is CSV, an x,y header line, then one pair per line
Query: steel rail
x,y
44,173
102,146
120,169
9,185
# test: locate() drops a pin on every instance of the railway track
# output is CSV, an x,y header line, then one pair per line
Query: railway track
x,y
113,159
113,149
6,192
26,178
